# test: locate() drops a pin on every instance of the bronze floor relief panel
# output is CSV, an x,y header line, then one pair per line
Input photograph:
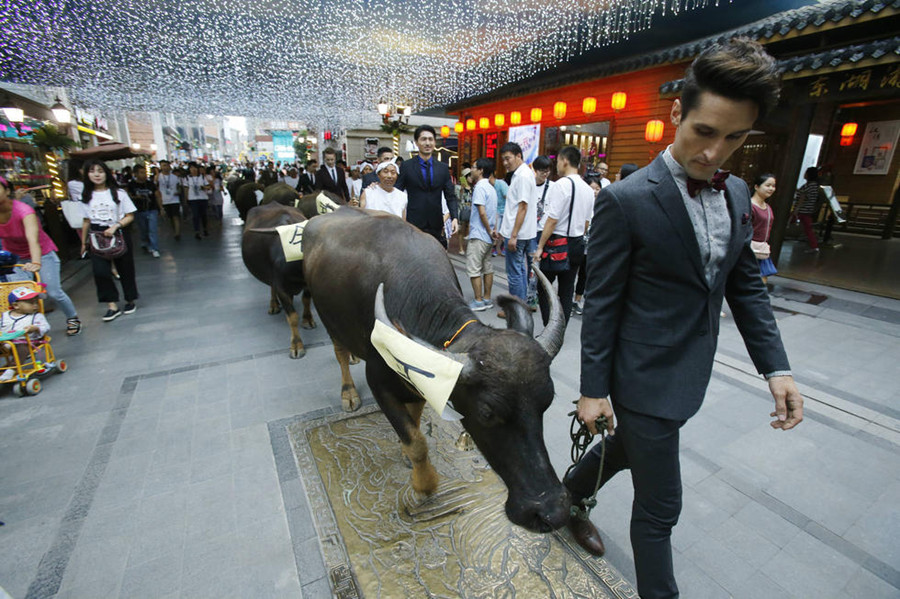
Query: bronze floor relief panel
x,y
379,539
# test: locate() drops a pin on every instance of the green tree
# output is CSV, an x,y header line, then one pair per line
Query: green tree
x,y
48,138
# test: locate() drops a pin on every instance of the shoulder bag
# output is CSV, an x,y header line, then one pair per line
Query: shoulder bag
x,y
557,253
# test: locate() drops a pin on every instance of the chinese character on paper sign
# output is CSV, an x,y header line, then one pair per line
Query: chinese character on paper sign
x,y
818,88
297,238
892,78
857,81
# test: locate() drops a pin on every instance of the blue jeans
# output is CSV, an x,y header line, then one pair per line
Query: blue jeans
x,y
49,277
148,223
517,265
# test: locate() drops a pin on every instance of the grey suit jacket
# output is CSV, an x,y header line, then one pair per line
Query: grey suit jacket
x,y
651,320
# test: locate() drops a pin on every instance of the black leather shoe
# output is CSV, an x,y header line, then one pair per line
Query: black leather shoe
x,y
586,535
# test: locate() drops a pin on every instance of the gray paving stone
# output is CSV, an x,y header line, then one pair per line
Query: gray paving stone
x,y
768,525
806,567
694,582
875,531
723,565
160,576
309,560
744,542
759,586
865,585
318,589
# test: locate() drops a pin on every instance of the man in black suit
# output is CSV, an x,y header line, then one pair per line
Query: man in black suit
x,y
667,244
331,177
385,154
308,178
424,179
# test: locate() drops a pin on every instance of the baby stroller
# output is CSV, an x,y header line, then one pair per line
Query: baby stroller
x,y
27,368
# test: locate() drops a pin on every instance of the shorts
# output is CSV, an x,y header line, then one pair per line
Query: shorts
x,y
172,210
478,258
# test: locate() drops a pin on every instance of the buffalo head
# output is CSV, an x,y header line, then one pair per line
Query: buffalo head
x,y
502,392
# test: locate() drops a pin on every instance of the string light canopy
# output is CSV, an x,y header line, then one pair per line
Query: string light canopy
x,y
319,61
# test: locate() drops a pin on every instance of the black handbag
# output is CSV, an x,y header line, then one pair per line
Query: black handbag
x,y
108,248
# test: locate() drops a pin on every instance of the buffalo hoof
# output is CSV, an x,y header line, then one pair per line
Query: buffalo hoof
x,y
353,359
297,353
308,324
274,309
350,401
425,479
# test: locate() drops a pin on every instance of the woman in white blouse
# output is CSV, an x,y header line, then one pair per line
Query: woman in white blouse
x,y
384,196
108,208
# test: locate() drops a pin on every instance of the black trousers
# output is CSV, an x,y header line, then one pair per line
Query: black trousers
x,y
103,278
566,287
198,214
648,446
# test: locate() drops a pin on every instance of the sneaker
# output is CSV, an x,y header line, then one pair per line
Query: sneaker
x,y
578,309
130,308
154,253
112,315
8,374
488,303
477,306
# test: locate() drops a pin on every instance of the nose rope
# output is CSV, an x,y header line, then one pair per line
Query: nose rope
x,y
581,439
456,334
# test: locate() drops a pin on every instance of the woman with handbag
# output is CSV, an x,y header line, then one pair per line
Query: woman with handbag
x,y
560,249
21,234
107,211
763,217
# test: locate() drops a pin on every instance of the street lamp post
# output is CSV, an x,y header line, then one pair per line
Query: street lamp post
x,y
395,118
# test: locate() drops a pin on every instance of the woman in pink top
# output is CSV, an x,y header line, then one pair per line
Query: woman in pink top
x,y
763,217
21,234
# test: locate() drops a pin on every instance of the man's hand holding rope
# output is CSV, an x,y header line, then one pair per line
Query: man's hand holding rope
x,y
590,409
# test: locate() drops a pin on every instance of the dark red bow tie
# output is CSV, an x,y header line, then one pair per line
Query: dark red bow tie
x,y
695,186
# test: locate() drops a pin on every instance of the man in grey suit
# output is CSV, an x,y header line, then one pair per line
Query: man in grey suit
x,y
667,244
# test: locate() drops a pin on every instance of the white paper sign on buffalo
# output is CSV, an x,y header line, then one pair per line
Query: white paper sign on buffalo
x,y
432,374
324,204
292,240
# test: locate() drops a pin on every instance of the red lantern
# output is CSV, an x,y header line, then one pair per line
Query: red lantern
x,y
470,124
654,131
618,101
589,105
847,140
499,119
559,110
327,136
848,130
445,131
459,127
536,115
515,117
484,123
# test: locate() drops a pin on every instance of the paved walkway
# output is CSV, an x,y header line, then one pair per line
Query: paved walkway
x,y
150,469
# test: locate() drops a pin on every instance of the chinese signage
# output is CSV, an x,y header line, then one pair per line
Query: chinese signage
x,y
867,82
490,145
529,139
877,148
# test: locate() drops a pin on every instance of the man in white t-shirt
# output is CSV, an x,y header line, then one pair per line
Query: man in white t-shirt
x,y
569,205
168,185
519,227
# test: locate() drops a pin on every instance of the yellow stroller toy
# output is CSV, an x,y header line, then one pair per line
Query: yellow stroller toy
x,y
22,353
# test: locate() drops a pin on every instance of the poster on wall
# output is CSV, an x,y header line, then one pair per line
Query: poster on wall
x,y
529,139
283,146
370,148
877,148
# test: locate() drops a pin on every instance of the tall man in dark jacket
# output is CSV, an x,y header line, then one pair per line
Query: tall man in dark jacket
x,y
666,246
331,176
424,179
308,177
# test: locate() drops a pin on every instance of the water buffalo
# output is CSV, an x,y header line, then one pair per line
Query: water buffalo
x,y
361,266
264,258
281,193
245,197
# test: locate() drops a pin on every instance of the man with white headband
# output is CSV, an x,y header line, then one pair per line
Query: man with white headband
x,y
384,196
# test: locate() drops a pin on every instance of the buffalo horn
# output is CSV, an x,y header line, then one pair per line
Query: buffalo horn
x,y
551,338
381,314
